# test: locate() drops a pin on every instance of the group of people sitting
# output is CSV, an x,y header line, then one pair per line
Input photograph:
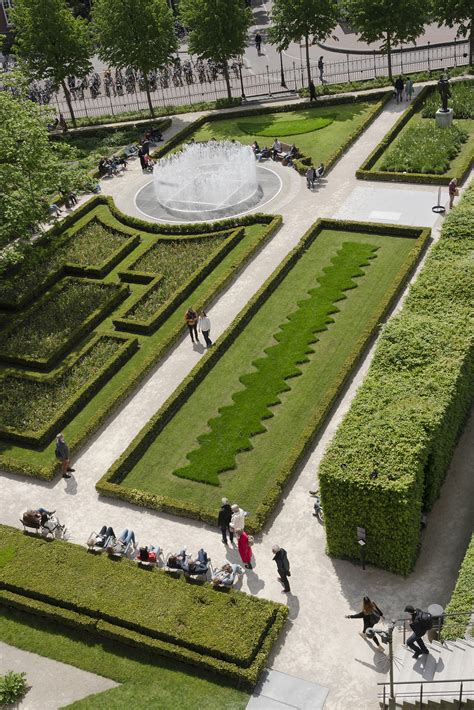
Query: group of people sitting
x,y
111,166
107,540
43,521
276,152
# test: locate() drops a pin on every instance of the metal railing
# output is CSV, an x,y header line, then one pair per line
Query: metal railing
x,y
458,693
105,94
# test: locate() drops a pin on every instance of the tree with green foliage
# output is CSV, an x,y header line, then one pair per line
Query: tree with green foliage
x,y
390,22
296,19
217,30
457,13
135,33
52,42
32,167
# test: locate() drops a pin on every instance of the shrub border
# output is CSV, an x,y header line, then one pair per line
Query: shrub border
x,y
462,599
273,223
365,171
110,483
127,346
121,292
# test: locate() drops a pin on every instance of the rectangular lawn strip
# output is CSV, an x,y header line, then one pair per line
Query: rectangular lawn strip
x,y
146,681
47,330
319,143
151,473
152,609
42,462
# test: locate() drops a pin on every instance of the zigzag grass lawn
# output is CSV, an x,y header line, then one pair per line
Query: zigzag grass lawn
x,y
41,461
254,388
317,132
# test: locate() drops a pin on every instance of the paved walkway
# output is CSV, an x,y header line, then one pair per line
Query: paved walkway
x,y
51,684
318,645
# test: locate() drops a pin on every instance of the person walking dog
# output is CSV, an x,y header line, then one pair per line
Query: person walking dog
x,y
223,521
63,455
371,615
283,567
421,622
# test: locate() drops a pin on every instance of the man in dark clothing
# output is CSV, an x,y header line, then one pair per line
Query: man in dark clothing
x,y
399,89
223,520
421,622
283,566
258,42
312,91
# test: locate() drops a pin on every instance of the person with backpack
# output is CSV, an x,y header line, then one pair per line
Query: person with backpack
x,y
421,622
370,615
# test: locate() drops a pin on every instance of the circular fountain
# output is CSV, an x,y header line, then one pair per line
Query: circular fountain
x,y
207,181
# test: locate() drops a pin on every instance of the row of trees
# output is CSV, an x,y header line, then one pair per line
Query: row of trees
x,y
55,43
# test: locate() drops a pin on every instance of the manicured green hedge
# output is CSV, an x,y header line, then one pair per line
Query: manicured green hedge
x,y
64,411
229,632
389,457
366,171
462,599
110,483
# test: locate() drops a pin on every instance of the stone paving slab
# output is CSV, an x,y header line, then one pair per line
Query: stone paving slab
x,y
51,684
278,690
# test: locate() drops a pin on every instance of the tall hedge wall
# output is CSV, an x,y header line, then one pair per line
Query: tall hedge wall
x,y
462,599
389,457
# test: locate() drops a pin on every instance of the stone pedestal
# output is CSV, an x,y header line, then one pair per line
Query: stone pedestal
x,y
444,118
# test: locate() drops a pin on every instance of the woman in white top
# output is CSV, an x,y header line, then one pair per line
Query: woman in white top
x,y
205,328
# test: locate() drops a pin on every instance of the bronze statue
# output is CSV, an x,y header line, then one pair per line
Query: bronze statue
x,y
444,92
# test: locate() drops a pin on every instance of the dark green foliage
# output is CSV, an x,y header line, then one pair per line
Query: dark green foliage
x,y
425,148
405,419
117,600
231,431
462,599
12,687
461,101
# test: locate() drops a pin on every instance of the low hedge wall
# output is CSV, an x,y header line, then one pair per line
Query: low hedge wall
x,y
390,455
365,172
117,601
110,483
126,347
134,325
462,599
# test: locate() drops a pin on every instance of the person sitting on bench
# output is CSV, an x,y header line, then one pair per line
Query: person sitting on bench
x,y
148,553
276,149
106,533
198,566
45,514
288,157
226,575
255,148
320,170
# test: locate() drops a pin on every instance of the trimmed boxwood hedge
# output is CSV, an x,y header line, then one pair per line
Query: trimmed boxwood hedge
x,y
390,455
301,164
110,483
462,599
183,620
366,172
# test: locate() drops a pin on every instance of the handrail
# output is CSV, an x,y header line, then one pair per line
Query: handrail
x,y
424,682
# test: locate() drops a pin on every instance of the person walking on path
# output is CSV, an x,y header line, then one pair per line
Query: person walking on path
x,y
283,567
399,89
258,43
245,549
62,454
205,328
237,523
223,521
421,622
191,318
371,615
453,192
409,88
321,69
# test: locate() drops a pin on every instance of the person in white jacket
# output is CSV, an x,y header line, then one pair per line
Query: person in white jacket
x,y
237,522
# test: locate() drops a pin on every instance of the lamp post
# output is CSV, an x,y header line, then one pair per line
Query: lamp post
x,y
240,64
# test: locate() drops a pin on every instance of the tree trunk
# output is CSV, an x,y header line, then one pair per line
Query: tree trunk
x,y
471,43
147,89
69,103
227,80
308,65
389,56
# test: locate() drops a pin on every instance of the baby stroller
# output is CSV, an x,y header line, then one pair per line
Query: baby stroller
x,y
44,523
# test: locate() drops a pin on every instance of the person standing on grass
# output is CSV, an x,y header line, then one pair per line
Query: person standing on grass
x,y
258,43
205,328
245,548
62,454
283,567
321,69
371,615
409,88
453,192
191,318
223,521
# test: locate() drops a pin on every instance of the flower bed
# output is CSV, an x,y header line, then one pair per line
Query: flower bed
x,y
256,468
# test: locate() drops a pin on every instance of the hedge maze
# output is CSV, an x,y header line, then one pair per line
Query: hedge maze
x,y
90,310
241,422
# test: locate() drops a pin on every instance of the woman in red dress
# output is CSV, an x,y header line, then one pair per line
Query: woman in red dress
x,y
245,549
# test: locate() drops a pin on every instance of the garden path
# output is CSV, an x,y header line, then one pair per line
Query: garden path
x,y
319,645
